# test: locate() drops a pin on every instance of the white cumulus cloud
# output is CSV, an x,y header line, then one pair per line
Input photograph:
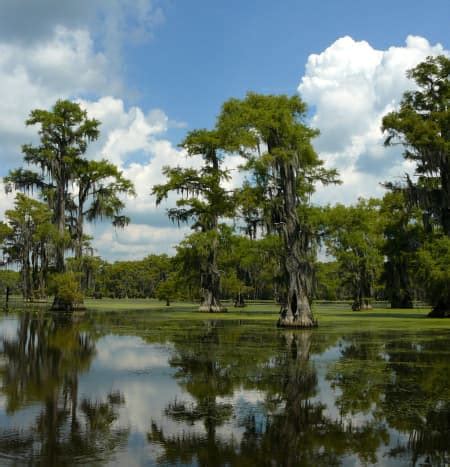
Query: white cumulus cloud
x,y
351,86
36,75
67,65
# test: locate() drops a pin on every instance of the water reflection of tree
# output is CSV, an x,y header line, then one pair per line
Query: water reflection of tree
x,y
207,373
404,383
360,375
304,433
291,428
41,365
417,399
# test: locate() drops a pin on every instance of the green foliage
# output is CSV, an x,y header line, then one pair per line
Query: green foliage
x,y
131,279
403,234
421,125
167,289
66,286
192,259
75,188
353,237
328,282
10,279
90,269
64,133
259,265
204,201
282,170
99,186
433,272
270,133
28,239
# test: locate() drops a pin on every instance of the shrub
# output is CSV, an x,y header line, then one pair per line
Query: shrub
x,y
433,272
66,289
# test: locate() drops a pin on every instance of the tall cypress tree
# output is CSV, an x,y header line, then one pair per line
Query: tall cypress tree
x,y
422,126
271,134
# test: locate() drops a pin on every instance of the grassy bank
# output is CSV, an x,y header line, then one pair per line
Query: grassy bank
x,y
332,317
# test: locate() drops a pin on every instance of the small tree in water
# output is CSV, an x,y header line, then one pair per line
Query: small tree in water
x,y
204,201
269,132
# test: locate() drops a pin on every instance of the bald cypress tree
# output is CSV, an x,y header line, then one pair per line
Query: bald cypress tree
x,y
203,202
64,132
422,126
271,134
74,187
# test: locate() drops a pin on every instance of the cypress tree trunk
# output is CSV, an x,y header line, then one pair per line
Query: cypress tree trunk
x,y
211,284
26,279
43,270
296,312
79,251
361,304
61,224
398,284
363,292
445,183
58,303
442,308
210,291
34,272
79,234
239,302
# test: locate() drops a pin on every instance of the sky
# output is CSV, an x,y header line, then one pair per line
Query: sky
x,y
151,70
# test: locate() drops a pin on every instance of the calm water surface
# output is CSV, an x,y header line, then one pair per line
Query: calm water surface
x,y
113,391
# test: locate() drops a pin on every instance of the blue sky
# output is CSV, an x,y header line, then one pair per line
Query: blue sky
x,y
150,70
208,51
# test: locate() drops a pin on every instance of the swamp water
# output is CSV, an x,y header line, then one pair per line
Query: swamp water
x,y
108,390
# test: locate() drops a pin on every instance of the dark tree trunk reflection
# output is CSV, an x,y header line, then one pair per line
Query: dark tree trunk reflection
x,y
41,365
